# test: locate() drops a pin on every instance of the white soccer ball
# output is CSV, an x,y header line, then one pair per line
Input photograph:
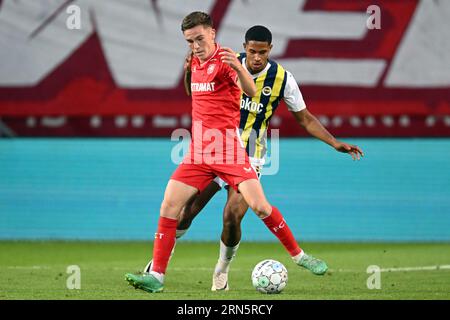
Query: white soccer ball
x,y
269,276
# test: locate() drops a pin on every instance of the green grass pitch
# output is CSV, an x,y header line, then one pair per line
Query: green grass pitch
x,y
38,270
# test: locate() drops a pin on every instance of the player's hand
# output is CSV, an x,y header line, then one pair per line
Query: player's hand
x,y
187,62
354,151
229,57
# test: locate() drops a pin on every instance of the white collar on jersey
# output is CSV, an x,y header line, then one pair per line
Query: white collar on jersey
x,y
256,75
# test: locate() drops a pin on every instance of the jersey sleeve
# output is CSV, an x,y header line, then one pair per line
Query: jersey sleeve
x,y
292,95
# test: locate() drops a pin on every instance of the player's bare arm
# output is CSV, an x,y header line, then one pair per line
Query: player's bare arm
x,y
313,126
245,81
187,73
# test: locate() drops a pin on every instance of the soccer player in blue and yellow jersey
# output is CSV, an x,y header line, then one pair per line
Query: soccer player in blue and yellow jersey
x,y
273,84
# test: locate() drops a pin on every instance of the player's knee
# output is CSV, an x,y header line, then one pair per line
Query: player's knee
x,y
169,208
262,209
232,217
233,210
231,225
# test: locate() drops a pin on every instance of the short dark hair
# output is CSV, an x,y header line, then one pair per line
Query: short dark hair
x,y
258,33
196,18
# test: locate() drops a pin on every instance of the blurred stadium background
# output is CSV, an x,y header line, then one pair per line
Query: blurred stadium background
x,y
118,82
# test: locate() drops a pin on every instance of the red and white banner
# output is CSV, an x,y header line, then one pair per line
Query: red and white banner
x,y
119,73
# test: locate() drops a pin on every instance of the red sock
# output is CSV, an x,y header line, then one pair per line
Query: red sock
x,y
278,226
163,244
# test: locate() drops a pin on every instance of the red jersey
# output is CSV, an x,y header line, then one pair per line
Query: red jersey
x,y
215,99
216,149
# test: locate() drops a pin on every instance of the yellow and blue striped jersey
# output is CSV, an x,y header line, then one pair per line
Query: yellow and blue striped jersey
x,y
256,112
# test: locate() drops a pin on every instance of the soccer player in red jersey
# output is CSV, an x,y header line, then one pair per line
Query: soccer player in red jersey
x,y
216,149
274,84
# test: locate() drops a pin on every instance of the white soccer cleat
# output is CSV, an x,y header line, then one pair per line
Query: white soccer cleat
x,y
220,282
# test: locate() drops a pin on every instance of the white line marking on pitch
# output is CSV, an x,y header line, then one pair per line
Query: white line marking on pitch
x,y
28,267
422,268
399,269
445,266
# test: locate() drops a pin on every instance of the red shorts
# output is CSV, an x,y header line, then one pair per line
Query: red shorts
x,y
200,175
